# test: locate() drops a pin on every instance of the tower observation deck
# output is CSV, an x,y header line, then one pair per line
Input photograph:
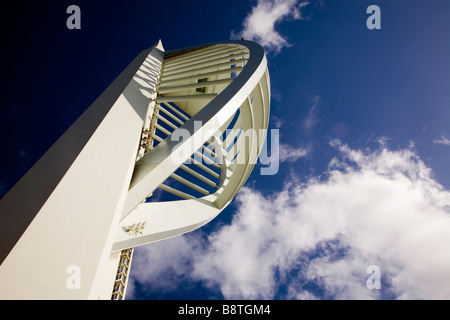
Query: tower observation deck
x,y
161,152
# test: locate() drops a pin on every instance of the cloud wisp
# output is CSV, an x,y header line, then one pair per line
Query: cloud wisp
x,y
316,239
291,154
260,24
442,140
311,119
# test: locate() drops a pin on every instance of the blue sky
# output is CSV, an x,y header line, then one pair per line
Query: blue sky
x,y
363,117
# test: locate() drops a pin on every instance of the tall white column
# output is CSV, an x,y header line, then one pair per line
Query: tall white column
x,y
57,223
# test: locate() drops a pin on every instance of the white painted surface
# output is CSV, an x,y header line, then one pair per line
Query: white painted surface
x,y
86,219
75,224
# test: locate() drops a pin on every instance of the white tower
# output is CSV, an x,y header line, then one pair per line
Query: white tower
x,y
190,123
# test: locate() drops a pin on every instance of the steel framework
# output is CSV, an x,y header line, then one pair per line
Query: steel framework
x,y
162,152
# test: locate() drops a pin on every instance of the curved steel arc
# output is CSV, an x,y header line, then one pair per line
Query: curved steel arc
x,y
177,217
212,116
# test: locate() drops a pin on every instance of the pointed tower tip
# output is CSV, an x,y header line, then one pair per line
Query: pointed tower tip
x,y
159,45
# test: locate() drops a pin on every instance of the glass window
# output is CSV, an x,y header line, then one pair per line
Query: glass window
x,y
201,89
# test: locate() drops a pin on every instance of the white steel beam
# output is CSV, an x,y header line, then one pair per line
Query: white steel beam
x,y
163,90
238,52
167,82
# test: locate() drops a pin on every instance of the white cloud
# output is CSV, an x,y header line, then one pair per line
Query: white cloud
x,y
260,24
162,265
442,140
278,123
288,153
317,238
311,119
